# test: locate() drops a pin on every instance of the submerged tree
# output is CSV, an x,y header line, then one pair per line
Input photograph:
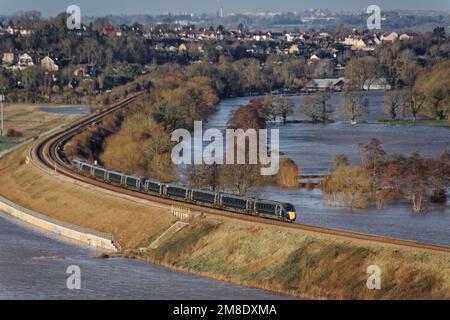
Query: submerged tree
x,y
353,106
284,107
392,104
316,107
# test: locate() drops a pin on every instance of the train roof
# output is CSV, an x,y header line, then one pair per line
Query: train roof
x,y
116,172
268,201
229,195
204,190
133,176
176,186
153,180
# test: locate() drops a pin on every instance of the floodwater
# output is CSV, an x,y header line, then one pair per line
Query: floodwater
x,y
33,265
67,110
313,147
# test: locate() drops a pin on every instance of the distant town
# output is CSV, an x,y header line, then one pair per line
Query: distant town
x,y
110,51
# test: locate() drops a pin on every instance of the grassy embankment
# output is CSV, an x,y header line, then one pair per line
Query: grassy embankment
x,y
301,264
30,121
305,265
130,222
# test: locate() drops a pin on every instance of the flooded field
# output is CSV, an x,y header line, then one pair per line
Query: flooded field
x,y
313,147
67,110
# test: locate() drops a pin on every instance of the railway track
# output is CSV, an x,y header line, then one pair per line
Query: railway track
x,y
46,153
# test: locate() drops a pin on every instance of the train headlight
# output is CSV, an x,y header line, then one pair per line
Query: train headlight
x,y
292,215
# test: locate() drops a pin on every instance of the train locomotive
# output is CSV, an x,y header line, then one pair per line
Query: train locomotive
x,y
250,206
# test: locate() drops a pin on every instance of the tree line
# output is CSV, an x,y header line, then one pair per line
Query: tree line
x,y
380,178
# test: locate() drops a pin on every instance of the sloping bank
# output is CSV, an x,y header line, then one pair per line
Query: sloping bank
x,y
291,262
86,237
304,265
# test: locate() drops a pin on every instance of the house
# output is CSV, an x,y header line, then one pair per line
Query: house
x,y
357,43
405,37
389,37
289,37
10,30
111,31
171,49
25,61
84,70
182,48
8,58
25,32
335,84
49,64
314,58
294,49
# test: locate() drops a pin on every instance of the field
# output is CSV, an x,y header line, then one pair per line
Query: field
x,y
300,264
30,121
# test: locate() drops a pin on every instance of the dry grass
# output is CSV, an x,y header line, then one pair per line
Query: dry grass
x,y
29,119
289,262
130,222
303,265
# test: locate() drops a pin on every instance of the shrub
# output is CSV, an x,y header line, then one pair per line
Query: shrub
x,y
348,186
13,133
438,196
288,174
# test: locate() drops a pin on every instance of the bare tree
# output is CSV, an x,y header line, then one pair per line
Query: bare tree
x,y
412,102
392,104
353,106
316,107
284,107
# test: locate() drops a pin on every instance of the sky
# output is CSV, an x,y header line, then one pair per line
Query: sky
x,y
105,7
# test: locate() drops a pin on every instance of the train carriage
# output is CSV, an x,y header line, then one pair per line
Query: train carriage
x,y
76,165
87,169
235,203
176,192
204,197
99,173
153,187
133,182
115,177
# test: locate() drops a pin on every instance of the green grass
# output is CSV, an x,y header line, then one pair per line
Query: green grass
x,y
8,142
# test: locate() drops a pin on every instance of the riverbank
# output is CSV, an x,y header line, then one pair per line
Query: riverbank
x,y
271,258
33,266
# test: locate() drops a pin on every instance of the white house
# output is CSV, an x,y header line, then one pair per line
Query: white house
x,y
335,84
49,64
389,37
314,58
25,61
405,37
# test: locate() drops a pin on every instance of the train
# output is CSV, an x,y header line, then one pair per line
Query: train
x,y
243,205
